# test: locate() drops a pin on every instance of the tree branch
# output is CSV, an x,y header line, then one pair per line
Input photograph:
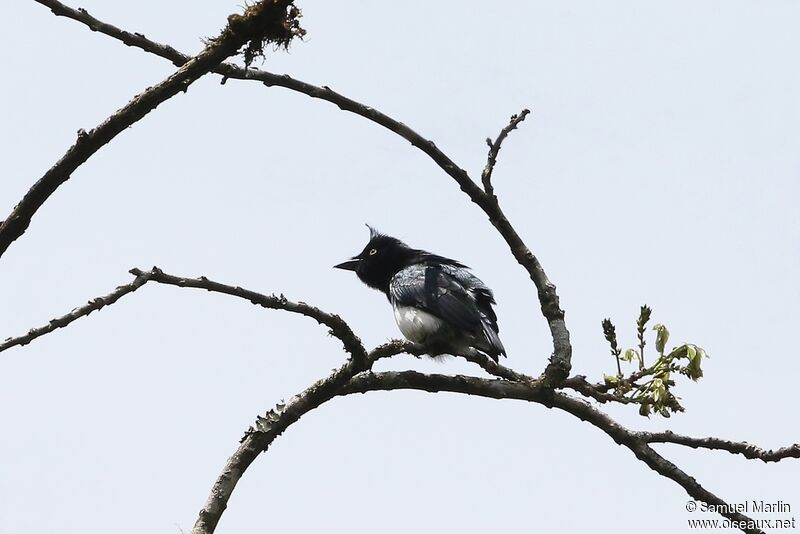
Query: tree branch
x,y
351,378
560,361
748,450
355,375
581,385
494,150
82,311
273,424
539,393
280,418
338,327
258,19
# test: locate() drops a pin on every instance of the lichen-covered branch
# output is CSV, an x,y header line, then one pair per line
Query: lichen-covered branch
x,y
261,20
560,361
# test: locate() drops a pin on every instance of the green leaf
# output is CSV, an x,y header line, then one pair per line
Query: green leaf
x,y
693,369
630,354
678,352
610,380
658,390
662,336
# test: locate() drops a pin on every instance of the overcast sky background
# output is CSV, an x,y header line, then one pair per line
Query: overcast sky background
x,y
660,165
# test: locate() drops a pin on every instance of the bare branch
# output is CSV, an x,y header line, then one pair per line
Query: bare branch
x,y
82,311
645,453
258,19
560,360
747,450
271,425
338,327
350,378
355,375
538,392
279,419
494,150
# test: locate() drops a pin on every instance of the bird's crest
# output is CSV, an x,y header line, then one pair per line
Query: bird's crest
x,y
373,233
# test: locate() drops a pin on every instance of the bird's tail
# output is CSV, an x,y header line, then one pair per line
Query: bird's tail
x,y
495,347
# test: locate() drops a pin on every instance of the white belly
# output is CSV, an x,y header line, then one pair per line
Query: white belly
x,y
417,325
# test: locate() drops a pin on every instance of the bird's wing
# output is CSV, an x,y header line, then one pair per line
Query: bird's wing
x,y
484,298
437,291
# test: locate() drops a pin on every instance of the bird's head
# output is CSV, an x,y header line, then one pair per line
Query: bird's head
x,y
380,260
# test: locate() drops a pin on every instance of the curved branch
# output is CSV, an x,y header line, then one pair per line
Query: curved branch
x,y
350,378
560,361
257,20
82,311
280,418
650,457
270,426
338,327
748,450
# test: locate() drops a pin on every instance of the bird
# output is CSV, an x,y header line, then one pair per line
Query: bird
x,y
437,302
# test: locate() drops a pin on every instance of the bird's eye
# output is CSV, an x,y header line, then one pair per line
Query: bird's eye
x,y
373,251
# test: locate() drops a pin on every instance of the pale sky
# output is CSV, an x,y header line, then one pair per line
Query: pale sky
x,y
660,165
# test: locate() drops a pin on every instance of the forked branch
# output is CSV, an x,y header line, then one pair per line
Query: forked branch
x,y
355,377
494,150
748,450
560,361
260,18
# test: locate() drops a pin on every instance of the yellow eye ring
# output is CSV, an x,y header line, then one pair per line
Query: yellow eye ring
x,y
373,251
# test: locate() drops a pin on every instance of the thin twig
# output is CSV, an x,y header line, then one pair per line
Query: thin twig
x,y
338,327
748,450
560,361
581,385
238,31
82,311
630,379
494,150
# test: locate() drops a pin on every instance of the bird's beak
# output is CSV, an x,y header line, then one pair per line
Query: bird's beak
x,y
349,265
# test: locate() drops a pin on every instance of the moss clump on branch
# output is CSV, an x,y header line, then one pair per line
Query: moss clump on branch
x,y
277,23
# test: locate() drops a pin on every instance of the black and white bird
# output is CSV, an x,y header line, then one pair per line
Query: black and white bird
x,y
437,301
